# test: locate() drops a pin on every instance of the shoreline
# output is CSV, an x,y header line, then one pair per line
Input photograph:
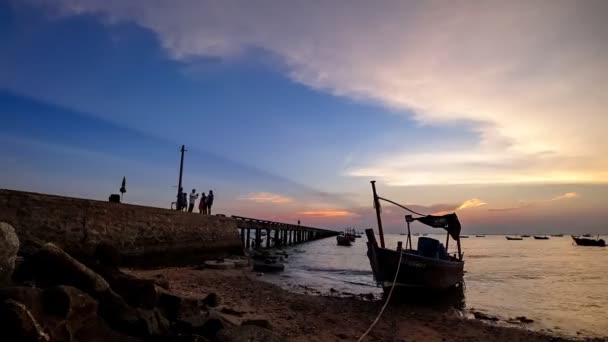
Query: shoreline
x,y
306,317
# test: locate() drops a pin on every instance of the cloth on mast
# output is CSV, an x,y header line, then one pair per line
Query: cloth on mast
x,y
448,222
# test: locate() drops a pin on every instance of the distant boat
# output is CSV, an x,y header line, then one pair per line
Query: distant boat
x,y
589,242
587,235
425,234
513,238
525,236
558,235
464,236
343,240
536,237
416,234
480,236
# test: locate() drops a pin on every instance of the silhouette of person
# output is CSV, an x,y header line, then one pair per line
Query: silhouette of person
x,y
184,201
202,205
193,197
209,202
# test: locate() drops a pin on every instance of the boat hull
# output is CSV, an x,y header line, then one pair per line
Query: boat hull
x,y
415,271
343,240
589,242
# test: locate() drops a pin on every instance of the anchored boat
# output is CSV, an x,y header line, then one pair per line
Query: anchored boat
x,y
581,241
513,238
427,267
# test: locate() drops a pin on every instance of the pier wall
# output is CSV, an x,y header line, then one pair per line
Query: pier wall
x,y
143,235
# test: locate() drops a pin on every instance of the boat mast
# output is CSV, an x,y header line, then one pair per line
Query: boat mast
x,y
377,206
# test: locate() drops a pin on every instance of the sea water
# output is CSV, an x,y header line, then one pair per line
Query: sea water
x,y
561,286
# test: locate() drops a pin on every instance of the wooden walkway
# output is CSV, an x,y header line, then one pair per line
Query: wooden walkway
x,y
277,234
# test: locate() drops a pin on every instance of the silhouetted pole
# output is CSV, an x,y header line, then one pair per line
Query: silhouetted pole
x,y
377,206
181,172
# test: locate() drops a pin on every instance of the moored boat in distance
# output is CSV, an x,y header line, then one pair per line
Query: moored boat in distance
x,y
464,236
525,236
429,267
480,236
541,237
587,235
514,238
557,235
343,240
582,241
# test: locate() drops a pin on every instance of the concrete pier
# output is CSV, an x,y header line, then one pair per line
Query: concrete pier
x,y
278,234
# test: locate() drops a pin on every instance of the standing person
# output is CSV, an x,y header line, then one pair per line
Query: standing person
x,y
184,201
209,202
193,197
202,205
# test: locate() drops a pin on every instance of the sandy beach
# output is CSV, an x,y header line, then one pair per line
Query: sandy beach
x,y
301,317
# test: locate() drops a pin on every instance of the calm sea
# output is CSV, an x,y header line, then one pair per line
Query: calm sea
x,y
563,287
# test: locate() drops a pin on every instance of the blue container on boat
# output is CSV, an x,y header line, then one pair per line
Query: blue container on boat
x,y
428,247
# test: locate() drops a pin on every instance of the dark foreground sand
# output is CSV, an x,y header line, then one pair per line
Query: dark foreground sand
x,y
301,317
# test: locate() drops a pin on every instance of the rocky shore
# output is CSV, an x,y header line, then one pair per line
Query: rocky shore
x,y
48,295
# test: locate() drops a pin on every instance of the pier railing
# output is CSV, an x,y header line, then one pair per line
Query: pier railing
x,y
277,234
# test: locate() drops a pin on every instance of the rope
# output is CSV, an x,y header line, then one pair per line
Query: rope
x,y
401,206
390,293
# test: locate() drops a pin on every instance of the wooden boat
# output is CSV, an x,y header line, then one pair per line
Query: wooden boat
x,y
343,240
524,236
587,235
537,237
480,236
557,235
581,241
464,236
513,238
429,267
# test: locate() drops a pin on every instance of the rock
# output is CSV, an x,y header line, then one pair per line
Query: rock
x,y
72,305
138,292
162,282
232,312
186,314
19,324
52,266
262,323
219,265
342,336
9,246
106,254
238,263
248,333
483,316
212,300
524,319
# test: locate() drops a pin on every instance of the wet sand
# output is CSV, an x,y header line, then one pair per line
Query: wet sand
x,y
301,317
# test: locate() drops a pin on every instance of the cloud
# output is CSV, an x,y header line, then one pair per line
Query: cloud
x,y
531,77
327,213
472,203
265,197
568,195
522,205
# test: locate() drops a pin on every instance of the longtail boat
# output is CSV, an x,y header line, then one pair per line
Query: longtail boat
x,y
428,267
537,237
580,241
514,238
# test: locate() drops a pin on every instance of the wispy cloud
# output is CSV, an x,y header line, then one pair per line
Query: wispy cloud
x,y
538,109
472,203
327,213
266,197
522,205
568,195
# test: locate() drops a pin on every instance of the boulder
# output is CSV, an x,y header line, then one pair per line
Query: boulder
x,y
248,333
52,266
212,300
138,292
19,324
9,246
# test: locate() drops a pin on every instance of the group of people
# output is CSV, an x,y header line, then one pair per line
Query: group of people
x,y
204,205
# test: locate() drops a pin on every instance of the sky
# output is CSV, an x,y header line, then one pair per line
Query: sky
x,y
288,109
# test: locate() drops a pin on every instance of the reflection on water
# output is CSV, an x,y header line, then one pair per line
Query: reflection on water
x,y
561,286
